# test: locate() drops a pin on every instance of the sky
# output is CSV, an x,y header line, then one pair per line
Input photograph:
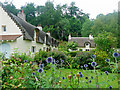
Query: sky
x,y
93,7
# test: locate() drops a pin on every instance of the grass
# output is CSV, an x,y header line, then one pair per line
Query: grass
x,y
104,80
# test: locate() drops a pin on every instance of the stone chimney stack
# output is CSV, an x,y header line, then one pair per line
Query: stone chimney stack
x,y
39,27
90,36
69,37
22,15
48,33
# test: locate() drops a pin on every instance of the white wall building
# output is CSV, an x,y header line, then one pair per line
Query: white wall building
x,y
16,33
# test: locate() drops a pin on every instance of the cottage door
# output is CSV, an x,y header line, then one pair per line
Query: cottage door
x,y
5,49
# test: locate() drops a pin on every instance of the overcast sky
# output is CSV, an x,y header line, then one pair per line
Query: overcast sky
x,y
93,7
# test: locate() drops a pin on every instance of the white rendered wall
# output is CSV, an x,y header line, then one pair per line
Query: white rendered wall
x,y
11,27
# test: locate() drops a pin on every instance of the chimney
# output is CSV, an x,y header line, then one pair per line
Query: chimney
x,y
48,33
69,37
39,27
90,36
22,15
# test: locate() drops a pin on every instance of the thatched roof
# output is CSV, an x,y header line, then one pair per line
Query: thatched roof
x,y
28,29
82,40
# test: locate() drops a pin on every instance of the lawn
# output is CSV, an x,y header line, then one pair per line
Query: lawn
x,y
104,80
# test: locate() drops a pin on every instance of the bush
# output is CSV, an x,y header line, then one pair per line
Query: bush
x,y
101,57
40,56
106,69
73,53
84,58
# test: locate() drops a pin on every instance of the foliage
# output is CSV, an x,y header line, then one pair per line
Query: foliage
x,y
72,45
105,41
62,46
106,69
86,28
101,57
72,53
10,8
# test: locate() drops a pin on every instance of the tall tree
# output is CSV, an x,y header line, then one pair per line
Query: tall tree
x,y
29,10
86,28
10,7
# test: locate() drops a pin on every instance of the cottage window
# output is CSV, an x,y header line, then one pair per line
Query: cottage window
x,y
4,28
33,49
87,50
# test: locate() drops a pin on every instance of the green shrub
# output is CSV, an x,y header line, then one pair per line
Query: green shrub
x,y
73,53
101,57
40,56
106,69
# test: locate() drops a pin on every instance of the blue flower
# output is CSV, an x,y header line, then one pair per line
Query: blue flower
x,y
90,81
81,75
101,73
63,78
45,71
53,61
110,87
25,60
86,77
93,64
41,65
85,65
91,72
93,56
73,74
106,72
33,73
57,61
49,60
62,61
40,70
107,60
91,77
115,54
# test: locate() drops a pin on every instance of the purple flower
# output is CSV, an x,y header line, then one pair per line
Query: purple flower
x,y
40,70
93,56
85,65
115,54
93,64
33,73
106,72
49,60
41,65
107,60
110,87
25,60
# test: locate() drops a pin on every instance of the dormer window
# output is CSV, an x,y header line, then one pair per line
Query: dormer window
x,y
87,45
4,28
